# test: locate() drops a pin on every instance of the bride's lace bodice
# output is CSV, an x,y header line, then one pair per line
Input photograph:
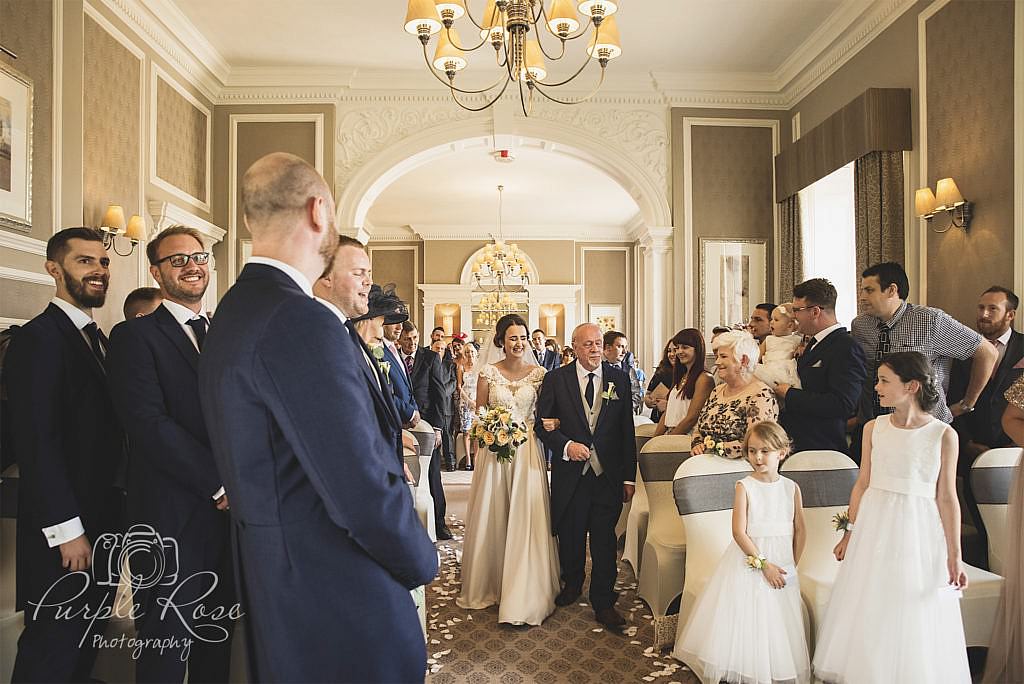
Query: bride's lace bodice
x,y
519,395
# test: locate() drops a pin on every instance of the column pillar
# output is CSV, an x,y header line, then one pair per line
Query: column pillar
x,y
657,287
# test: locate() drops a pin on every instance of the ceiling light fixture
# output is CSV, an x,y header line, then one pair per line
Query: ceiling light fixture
x,y
505,25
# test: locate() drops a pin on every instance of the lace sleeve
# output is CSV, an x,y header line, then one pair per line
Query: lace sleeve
x,y
762,405
1015,395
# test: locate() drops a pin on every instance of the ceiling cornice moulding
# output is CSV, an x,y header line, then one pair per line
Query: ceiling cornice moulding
x,y
484,233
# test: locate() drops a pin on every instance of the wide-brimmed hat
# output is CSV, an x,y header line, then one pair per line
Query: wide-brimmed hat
x,y
384,302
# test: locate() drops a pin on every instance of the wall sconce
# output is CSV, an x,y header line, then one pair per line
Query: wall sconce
x,y
113,225
947,198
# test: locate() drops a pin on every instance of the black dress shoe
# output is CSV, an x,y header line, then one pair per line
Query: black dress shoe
x,y
443,533
609,617
567,596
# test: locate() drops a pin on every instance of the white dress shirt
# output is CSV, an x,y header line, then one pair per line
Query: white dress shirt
x,y
822,334
582,380
301,280
1003,340
73,528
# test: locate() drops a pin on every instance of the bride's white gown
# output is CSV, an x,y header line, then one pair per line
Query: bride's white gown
x,y
509,556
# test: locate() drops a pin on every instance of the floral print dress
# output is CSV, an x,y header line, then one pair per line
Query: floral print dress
x,y
726,419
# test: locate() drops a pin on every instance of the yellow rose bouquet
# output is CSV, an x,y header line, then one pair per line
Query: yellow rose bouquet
x,y
495,430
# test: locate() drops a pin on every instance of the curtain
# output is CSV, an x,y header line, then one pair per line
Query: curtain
x,y
878,205
791,247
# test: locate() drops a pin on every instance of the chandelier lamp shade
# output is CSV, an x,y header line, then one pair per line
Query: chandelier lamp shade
x,y
501,263
522,34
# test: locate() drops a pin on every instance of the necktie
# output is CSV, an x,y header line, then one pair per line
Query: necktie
x,y
810,344
409,361
588,394
198,325
93,331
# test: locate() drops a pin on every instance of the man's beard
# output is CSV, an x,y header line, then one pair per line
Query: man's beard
x,y
76,289
181,294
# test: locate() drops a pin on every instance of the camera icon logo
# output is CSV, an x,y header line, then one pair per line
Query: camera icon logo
x,y
140,555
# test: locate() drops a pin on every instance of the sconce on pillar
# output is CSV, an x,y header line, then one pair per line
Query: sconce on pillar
x,y
114,226
947,198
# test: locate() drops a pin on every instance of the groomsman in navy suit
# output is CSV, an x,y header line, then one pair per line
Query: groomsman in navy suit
x,y
405,400
547,358
174,487
68,444
832,373
327,538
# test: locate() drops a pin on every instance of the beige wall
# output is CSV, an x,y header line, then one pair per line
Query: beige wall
x,y
970,137
444,259
26,28
181,155
397,263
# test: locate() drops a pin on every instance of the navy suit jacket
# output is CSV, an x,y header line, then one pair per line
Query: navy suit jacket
x,y
328,542
67,440
985,424
613,435
832,373
548,360
155,386
401,387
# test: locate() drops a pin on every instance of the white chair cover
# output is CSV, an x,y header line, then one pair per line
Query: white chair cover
x,y
826,479
425,439
664,552
636,512
991,476
640,419
704,488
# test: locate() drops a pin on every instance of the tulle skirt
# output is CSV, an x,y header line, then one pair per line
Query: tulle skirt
x,y
742,630
509,555
892,616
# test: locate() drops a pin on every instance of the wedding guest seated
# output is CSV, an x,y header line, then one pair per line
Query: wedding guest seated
x,y
691,385
739,402
656,397
568,355
553,346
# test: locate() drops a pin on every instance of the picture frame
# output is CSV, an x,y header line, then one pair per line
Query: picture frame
x,y
733,280
15,149
606,316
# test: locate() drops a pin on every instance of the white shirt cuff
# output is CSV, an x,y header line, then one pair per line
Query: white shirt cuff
x,y
220,493
64,532
565,451
629,483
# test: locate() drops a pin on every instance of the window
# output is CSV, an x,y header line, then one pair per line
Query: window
x,y
827,225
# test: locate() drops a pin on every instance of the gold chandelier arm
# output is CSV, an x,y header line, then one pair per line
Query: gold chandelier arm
x,y
470,15
430,68
582,31
579,71
482,107
479,45
566,102
540,43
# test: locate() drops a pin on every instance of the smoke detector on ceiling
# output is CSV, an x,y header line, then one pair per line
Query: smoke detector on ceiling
x,y
503,156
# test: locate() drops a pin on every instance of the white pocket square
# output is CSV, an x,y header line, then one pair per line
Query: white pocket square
x,y
816,364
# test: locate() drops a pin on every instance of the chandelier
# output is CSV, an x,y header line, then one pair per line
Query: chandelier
x,y
505,25
500,263
493,305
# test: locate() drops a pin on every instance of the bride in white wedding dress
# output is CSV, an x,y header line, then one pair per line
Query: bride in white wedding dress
x,y
509,556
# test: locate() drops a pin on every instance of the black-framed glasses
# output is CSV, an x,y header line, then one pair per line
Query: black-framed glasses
x,y
795,309
179,260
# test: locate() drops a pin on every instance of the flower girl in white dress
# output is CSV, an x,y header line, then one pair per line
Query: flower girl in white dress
x,y
894,612
747,626
509,556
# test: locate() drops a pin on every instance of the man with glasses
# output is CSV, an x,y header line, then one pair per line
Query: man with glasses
x,y
831,371
174,486
888,323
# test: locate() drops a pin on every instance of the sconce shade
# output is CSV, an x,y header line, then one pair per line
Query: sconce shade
x,y
446,53
562,13
947,195
422,13
607,38
924,202
136,228
113,218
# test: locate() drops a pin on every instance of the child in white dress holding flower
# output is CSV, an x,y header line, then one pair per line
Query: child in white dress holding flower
x,y
894,612
778,351
747,625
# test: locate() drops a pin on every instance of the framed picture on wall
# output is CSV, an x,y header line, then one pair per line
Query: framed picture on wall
x,y
607,316
15,149
733,279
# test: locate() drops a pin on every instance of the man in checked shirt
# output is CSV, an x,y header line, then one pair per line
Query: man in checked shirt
x,y
888,323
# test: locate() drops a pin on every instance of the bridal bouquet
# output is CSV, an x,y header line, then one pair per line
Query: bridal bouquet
x,y
494,429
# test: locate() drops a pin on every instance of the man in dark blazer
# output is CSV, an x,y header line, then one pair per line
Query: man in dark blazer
x,y
431,390
69,447
547,358
401,384
831,369
174,489
592,469
327,540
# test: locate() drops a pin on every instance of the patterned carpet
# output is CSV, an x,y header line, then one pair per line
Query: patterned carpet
x,y
470,646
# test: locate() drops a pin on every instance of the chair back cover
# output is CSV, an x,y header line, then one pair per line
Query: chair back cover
x,y
658,462
991,476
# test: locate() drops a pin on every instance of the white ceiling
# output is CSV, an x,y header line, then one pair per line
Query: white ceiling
x,y
717,43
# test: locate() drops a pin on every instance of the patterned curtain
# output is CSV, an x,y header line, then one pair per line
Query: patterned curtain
x,y
878,205
791,247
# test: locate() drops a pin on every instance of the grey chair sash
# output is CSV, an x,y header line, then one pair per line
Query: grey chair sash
x,y
706,493
640,442
660,466
426,441
414,467
991,485
823,488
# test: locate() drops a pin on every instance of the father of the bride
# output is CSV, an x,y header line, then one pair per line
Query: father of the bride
x,y
592,469
327,539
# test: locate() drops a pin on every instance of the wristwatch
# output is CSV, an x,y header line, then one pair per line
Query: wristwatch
x,y
965,407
